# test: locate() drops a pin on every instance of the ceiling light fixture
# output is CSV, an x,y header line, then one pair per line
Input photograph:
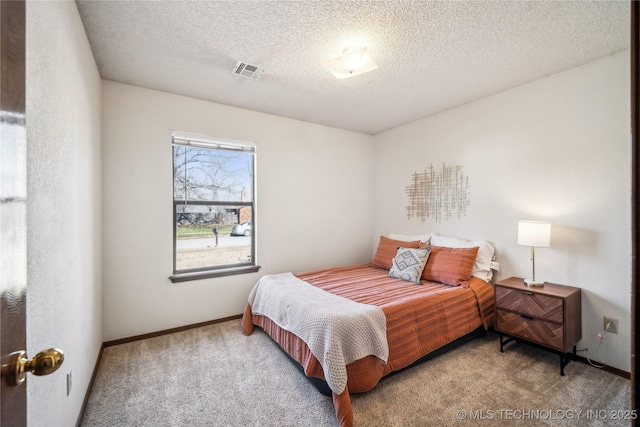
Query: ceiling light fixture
x,y
353,62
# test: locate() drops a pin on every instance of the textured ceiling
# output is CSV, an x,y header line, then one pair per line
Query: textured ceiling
x,y
432,56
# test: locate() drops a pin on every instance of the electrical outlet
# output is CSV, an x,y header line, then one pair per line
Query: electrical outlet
x,y
69,382
611,325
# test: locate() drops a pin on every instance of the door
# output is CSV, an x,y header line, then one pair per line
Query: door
x,y
635,204
13,209
13,224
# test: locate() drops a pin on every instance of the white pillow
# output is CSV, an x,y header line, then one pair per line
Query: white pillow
x,y
410,237
482,266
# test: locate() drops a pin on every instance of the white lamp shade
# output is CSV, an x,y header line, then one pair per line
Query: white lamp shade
x,y
534,233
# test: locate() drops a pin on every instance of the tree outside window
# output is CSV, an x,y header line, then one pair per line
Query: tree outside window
x,y
213,207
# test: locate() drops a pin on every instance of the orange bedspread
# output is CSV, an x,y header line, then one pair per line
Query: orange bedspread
x,y
420,319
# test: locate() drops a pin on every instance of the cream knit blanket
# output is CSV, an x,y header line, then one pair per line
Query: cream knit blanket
x,y
337,330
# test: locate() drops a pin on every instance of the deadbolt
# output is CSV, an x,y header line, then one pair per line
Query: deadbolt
x,y
43,363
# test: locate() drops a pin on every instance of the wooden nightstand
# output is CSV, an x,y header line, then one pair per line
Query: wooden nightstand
x,y
549,316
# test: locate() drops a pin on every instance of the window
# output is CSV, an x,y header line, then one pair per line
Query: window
x,y
213,207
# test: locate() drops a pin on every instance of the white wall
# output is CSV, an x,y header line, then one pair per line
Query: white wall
x,y
314,202
64,304
557,149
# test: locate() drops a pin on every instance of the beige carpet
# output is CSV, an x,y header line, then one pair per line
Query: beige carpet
x,y
215,376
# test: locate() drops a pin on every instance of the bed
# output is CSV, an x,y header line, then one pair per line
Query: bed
x,y
420,316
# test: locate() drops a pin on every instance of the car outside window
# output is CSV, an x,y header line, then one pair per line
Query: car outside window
x,y
213,207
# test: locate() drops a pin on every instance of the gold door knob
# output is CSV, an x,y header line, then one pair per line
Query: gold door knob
x,y
43,363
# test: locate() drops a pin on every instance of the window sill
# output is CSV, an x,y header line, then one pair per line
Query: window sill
x,y
197,275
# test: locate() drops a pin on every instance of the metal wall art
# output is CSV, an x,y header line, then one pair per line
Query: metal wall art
x,y
439,194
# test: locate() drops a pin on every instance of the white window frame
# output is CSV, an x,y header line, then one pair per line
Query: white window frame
x,y
202,141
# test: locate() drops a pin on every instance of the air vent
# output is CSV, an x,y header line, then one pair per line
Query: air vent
x,y
248,71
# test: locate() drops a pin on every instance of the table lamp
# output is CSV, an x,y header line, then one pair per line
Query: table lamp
x,y
534,234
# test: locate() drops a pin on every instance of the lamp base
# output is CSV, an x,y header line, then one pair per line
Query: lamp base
x,y
531,282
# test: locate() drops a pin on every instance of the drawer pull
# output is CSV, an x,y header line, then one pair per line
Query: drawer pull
x,y
526,293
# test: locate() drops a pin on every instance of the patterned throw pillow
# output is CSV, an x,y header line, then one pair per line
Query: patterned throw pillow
x,y
409,263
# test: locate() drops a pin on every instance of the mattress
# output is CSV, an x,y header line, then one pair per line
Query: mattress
x,y
420,319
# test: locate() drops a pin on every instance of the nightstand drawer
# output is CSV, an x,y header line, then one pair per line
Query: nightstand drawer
x,y
546,333
532,304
